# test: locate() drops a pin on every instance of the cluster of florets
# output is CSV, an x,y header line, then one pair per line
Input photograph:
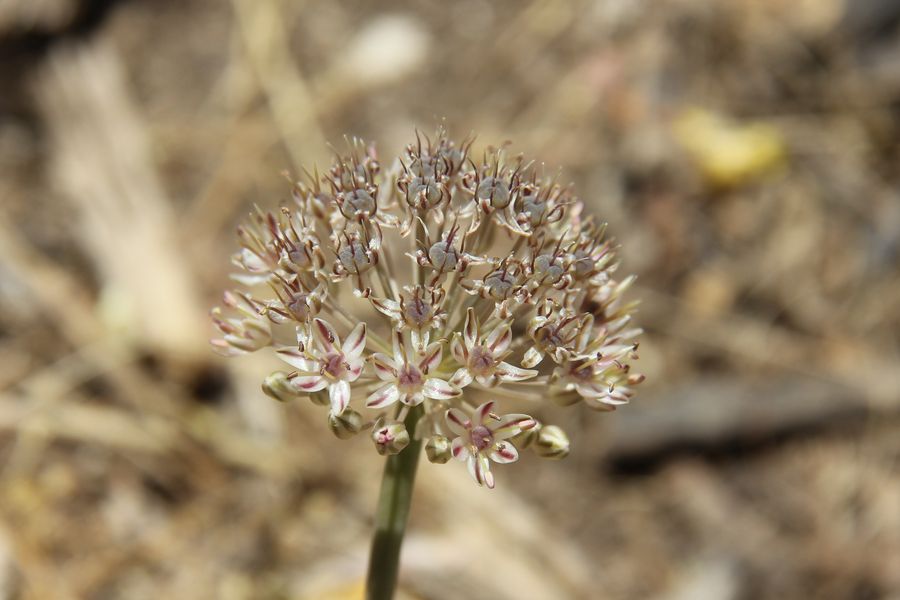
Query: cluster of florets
x,y
485,279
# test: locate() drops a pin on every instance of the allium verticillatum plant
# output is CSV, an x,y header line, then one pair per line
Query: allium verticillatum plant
x,y
487,283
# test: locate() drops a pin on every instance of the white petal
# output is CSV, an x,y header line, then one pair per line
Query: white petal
x,y
306,384
461,378
355,367
507,372
586,330
503,453
385,368
339,394
458,350
384,396
472,466
459,449
431,357
325,335
458,422
480,469
482,413
398,346
510,425
471,329
386,307
591,390
297,359
356,342
499,339
412,399
439,389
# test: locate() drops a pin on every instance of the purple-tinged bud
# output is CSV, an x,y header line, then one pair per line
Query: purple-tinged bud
x,y
390,438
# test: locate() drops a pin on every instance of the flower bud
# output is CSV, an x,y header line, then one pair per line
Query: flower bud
x,y
565,398
526,437
345,425
320,398
278,386
552,442
437,449
390,438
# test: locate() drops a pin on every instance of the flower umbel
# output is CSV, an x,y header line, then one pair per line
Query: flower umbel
x,y
483,280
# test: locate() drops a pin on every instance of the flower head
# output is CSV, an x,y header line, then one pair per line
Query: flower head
x,y
481,279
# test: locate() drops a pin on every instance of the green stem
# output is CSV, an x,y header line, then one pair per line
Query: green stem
x,y
391,515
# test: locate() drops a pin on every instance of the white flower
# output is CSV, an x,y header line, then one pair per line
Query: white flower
x,y
244,334
482,358
407,375
484,436
326,363
603,383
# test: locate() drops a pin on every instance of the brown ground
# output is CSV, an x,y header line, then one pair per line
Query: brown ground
x,y
744,153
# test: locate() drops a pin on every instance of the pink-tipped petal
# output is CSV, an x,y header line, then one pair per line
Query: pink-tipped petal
x,y
458,422
339,395
470,330
356,342
507,372
385,368
472,466
325,335
384,396
431,357
503,453
480,469
510,425
439,389
499,340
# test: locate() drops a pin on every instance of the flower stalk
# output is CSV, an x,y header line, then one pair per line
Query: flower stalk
x,y
391,515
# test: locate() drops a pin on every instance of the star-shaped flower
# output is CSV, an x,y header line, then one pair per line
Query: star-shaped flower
x,y
482,358
323,362
484,438
407,374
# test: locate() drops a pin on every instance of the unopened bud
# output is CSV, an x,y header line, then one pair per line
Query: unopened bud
x,y
565,398
526,437
552,442
390,438
320,398
437,449
345,425
278,386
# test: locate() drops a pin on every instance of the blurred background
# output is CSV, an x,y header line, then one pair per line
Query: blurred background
x,y
744,153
